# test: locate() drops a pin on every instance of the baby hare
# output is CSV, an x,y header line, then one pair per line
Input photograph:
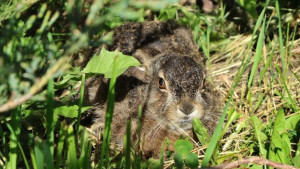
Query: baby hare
x,y
170,86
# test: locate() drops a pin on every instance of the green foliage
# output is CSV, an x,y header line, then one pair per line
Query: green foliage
x,y
184,156
201,132
69,111
280,147
106,58
297,156
259,134
250,6
153,164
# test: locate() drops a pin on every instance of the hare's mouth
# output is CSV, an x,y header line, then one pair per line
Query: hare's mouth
x,y
185,124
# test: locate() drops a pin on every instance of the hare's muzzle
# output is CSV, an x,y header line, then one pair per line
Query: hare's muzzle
x,y
187,108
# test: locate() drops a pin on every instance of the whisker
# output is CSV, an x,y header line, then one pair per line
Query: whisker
x,y
158,130
183,132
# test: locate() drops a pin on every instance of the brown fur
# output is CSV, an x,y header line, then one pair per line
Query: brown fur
x,y
167,51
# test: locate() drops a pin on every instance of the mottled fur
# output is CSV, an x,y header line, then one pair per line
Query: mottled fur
x,y
167,51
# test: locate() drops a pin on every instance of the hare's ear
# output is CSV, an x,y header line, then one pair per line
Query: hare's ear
x,y
141,73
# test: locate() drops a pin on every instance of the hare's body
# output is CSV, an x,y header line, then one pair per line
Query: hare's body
x,y
170,86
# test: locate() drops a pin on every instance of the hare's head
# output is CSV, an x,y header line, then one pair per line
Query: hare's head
x,y
175,95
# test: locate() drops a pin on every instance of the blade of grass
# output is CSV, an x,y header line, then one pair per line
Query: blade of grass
x,y
296,76
161,158
80,101
48,156
50,125
139,127
71,159
60,144
83,161
14,136
33,160
286,52
291,101
282,53
215,138
108,117
258,53
127,145
262,97
19,145
293,39
137,162
23,155
267,65
39,153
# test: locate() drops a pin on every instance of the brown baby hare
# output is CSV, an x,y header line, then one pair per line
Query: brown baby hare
x,y
170,85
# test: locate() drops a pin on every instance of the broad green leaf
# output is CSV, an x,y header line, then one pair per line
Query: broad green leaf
x,y
153,164
69,111
280,146
191,160
201,132
103,63
291,122
279,124
275,151
260,136
296,161
178,160
183,146
286,143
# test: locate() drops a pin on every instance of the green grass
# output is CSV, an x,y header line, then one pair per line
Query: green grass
x,y
104,156
257,74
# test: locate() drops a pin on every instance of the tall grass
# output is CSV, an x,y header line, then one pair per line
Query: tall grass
x,y
216,136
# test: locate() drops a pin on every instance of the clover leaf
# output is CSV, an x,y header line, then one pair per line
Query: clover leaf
x,y
184,156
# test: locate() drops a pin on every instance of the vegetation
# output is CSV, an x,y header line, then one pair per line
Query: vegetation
x,y
253,61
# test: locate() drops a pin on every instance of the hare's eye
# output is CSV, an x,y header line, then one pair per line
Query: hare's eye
x,y
161,83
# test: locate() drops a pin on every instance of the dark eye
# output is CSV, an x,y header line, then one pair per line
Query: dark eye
x,y
161,83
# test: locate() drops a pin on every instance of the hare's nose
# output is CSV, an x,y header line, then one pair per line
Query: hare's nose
x,y
187,108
